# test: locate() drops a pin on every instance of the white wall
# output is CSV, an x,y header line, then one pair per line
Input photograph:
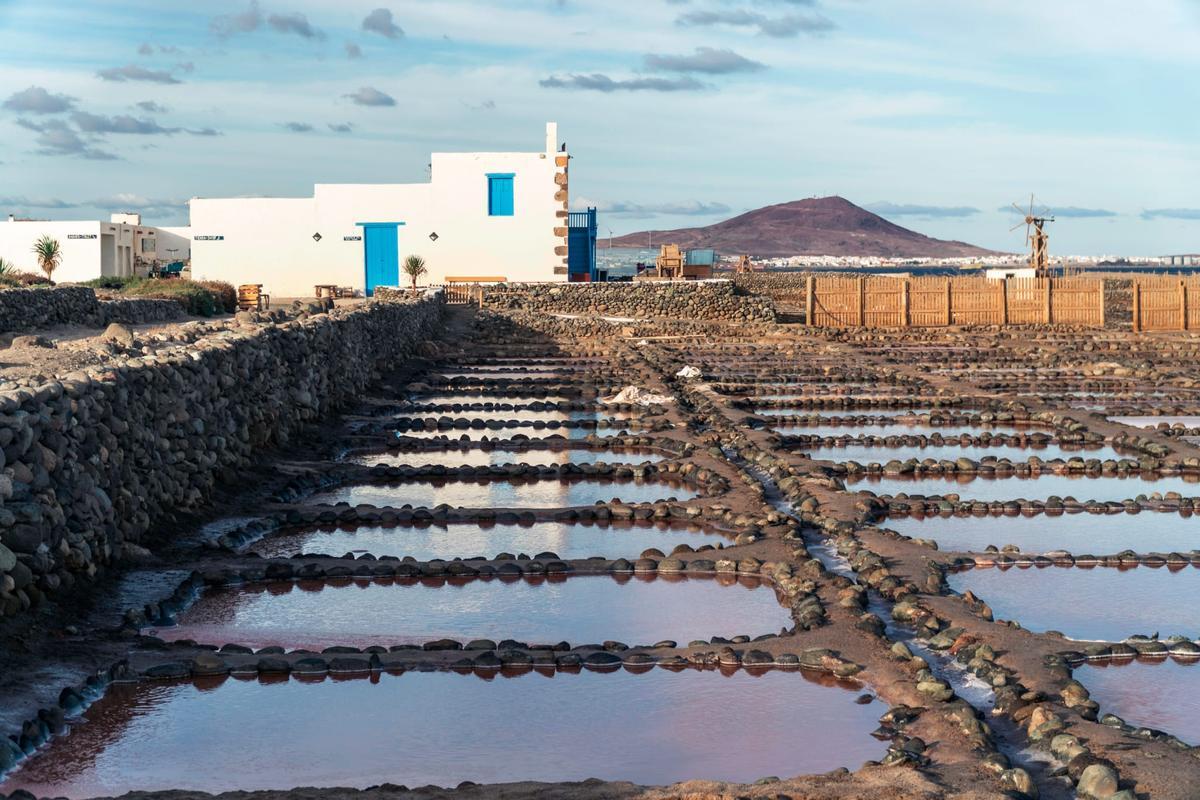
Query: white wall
x,y
81,257
179,238
269,240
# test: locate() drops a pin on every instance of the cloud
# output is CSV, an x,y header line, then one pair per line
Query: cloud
x,y
203,131
151,107
486,105
603,83
145,50
121,123
380,21
127,201
132,72
1171,213
228,24
886,209
1065,212
341,127
57,138
36,100
297,127
353,50
367,96
628,208
294,22
706,60
18,201
779,27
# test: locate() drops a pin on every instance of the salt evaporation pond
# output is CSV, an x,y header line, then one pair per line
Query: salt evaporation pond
x,y
902,429
442,728
477,457
578,609
450,398
1105,534
566,540
865,454
527,414
1081,487
526,431
1097,604
504,493
1152,421
841,412
1161,695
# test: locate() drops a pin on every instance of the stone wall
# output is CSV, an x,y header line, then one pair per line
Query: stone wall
x,y
90,462
640,299
45,307
784,288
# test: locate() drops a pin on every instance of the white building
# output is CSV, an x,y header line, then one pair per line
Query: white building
x,y
92,248
481,215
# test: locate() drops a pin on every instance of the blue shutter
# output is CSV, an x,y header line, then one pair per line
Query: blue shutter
x,y
500,194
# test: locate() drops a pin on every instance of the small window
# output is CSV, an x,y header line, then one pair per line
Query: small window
x,y
147,245
500,194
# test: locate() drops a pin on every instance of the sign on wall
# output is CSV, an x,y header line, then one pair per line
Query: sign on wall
x,y
351,238
81,236
209,238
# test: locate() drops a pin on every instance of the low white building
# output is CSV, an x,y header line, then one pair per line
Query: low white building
x,y
93,248
481,215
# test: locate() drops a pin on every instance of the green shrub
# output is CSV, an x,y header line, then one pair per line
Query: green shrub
x,y
195,298
16,279
112,282
224,295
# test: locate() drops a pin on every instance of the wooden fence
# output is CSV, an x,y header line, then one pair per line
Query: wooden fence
x,y
935,302
1166,304
460,294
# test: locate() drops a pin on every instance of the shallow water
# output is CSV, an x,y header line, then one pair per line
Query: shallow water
x,y
566,540
449,398
496,374
540,493
579,609
1149,421
841,412
527,432
1105,534
903,429
1106,487
1161,695
1102,603
443,728
528,414
865,455
476,457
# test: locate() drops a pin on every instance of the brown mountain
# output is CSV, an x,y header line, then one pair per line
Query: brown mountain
x,y
824,226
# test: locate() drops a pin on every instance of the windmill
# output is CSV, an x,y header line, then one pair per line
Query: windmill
x,y
1036,237
744,266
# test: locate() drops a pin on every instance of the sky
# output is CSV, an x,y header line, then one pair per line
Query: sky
x,y
937,114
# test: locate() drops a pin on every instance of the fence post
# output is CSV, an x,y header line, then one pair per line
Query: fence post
x,y
1100,291
1004,301
949,317
1183,320
905,320
1046,310
1137,307
862,302
809,304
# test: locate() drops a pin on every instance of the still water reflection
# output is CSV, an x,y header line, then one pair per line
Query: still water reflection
x,y
1081,487
1160,695
566,540
539,493
477,457
444,728
579,609
1102,603
866,454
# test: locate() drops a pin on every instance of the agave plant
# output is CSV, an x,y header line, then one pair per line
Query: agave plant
x,y
414,267
8,273
49,254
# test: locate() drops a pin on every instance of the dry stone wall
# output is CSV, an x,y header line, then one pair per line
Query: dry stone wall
x,y
27,309
640,299
90,462
784,288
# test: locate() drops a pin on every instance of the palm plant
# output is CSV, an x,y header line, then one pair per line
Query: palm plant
x,y
414,267
8,273
49,255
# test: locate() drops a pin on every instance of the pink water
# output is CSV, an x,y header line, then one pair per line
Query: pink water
x,y
541,493
579,609
466,540
1104,534
444,728
1081,487
1161,695
476,457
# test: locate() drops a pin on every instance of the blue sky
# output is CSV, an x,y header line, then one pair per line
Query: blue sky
x,y
936,113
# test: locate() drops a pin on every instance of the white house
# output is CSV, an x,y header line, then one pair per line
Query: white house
x,y
481,215
92,248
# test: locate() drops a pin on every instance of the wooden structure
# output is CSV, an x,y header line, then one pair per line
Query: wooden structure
x,y
326,290
250,296
1166,304
461,291
937,302
1037,238
744,266
669,262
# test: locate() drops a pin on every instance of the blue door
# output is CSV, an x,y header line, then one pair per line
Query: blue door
x,y
381,254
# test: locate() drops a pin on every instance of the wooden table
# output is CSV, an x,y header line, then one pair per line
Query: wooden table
x,y
326,290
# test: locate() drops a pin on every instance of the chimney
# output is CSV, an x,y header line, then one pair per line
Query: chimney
x,y
12,218
551,138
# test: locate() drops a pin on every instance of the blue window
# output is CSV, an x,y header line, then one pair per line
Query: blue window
x,y
500,194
